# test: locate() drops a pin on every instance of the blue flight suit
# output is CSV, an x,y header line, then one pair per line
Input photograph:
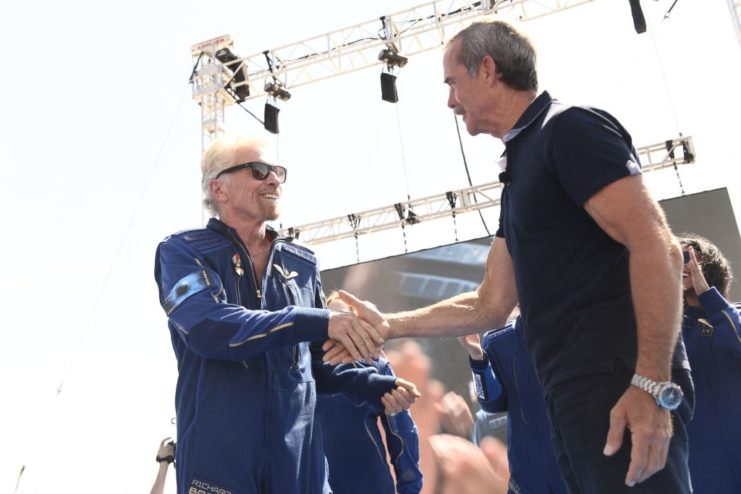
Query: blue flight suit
x,y
247,369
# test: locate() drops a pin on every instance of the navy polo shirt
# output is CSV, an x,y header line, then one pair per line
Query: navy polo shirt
x,y
572,278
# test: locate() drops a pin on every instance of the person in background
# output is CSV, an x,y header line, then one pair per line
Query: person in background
x,y
505,380
711,329
455,415
246,315
464,468
353,444
165,456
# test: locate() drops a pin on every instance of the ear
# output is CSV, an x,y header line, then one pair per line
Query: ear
x,y
217,190
488,69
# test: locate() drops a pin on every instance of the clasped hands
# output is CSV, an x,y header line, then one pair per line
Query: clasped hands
x,y
357,335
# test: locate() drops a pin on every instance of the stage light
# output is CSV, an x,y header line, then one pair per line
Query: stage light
x,y
639,22
276,91
271,118
238,85
388,88
393,60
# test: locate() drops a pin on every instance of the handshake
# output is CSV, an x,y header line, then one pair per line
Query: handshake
x,y
357,330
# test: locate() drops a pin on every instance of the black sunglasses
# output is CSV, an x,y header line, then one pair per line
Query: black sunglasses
x,y
260,170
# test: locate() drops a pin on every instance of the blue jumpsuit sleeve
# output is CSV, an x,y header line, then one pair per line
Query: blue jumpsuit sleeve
x,y
193,297
360,383
489,391
724,317
402,442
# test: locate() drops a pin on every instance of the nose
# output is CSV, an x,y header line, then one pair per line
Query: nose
x,y
272,178
451,99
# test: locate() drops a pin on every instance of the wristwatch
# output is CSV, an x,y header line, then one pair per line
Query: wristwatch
x,y
667,394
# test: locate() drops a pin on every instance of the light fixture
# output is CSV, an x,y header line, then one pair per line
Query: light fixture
x,y
639,22
276,91
393,60
238,85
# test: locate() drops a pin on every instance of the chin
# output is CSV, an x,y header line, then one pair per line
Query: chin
x,y
274,215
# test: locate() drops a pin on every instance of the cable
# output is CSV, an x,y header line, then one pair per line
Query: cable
x,y
668,91
123,239
468,173
107,279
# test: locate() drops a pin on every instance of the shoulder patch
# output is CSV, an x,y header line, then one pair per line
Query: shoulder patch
x,y
204,240
300,252
187,287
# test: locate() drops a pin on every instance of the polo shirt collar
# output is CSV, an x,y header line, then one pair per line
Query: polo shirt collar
x,y
538,106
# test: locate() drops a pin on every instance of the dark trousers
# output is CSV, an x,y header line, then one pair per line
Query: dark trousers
x,y
579,411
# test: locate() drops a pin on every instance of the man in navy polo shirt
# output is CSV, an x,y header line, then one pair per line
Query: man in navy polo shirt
x,y
587,253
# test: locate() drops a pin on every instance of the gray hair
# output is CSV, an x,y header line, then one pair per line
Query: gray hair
x,y
512,52
220,155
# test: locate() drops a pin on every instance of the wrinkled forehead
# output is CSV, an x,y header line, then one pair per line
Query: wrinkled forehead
x,y
248,152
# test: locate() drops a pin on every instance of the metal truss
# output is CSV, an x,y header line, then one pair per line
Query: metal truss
x,y
408,32
209,80
735,6
346,50
673,152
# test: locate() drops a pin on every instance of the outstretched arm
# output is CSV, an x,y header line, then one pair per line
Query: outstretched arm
x,y
487,307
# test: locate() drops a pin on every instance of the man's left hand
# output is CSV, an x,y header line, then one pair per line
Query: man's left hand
x,y
650,432
401,397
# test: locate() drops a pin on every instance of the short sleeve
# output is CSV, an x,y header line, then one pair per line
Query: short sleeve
x,y
590,150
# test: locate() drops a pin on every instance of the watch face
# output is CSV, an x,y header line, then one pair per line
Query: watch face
x,y
670,397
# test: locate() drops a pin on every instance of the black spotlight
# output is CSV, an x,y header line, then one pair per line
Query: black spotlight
x,y
271,118
388,88
238,83
639,22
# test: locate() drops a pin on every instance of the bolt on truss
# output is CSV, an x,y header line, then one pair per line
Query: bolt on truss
x,y
672,152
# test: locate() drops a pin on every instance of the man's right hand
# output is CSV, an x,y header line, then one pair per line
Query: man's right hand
x,y
472,344
368,312
650,432
359,338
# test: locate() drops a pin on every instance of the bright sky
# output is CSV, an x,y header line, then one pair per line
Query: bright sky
x,y
100,156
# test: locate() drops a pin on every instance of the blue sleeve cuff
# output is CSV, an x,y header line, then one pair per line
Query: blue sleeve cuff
x,y
712,301
312,324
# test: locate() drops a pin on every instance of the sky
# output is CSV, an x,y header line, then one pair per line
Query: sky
x,y
100,150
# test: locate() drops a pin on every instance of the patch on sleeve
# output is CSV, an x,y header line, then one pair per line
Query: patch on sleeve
x,y
478,386
185,288
632,165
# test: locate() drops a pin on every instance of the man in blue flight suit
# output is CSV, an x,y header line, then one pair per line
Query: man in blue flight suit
x,y
246,319
505,380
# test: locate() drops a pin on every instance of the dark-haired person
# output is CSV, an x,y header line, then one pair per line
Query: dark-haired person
x,y
712,334
246,316
586,251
